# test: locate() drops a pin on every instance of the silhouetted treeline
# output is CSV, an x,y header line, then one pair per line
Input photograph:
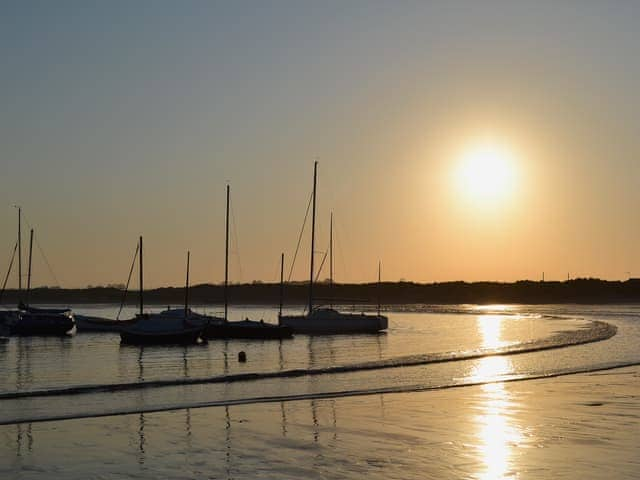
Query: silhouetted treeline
x,y
528,292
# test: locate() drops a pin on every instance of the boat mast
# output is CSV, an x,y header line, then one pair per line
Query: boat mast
x,y
141,279
281,284
19,249
313,235
29,274
186,290
331,259
226,260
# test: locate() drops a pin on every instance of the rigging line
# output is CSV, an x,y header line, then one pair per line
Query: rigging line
x,y
340,250
4,285
124,294
235,240
41,250
46,261
295,255
324,257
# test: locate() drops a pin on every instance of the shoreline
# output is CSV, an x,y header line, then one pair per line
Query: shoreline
x,y
524,292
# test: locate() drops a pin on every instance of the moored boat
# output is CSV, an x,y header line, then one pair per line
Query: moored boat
x,y
158,329
154,329
248,329
327,321
243,329
41,321
32,321
86,323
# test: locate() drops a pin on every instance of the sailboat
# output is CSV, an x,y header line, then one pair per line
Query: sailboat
x,y
41,321
327,321
155,329
247,329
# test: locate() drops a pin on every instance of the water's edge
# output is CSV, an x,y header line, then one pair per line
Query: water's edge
x,y
595,331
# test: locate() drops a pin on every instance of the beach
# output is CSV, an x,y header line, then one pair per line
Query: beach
x,y
578,426
428,399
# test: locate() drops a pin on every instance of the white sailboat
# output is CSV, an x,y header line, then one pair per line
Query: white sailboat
x,y
328,321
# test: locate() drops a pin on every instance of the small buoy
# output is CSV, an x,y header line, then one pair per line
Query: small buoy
x,y
242,357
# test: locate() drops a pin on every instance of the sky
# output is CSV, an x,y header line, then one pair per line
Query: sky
x,y
122,119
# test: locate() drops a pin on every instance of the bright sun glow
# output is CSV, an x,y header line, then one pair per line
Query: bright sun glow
x,y
486,171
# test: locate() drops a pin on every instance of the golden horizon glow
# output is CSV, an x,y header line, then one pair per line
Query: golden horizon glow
x,y
486,171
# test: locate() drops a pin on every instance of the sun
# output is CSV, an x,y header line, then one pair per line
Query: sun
x,y
486,171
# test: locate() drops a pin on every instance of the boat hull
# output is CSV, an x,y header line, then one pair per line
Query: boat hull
x,y
188,337
96,324
249,330
335,324
43,324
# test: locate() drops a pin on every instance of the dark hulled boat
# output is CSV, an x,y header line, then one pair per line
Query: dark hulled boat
x,y
248,329
156,329
159,329
43,321
86,323
243,329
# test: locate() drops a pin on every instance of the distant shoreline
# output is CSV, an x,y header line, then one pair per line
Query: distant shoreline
x,y
585,291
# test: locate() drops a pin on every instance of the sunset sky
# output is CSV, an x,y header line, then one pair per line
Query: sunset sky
x,y
455,140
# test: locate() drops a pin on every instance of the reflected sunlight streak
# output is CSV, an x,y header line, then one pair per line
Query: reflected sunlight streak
x,y
490,327
496,435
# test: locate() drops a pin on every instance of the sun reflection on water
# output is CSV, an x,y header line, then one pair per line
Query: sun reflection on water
x,y
496,434
493,308
490,327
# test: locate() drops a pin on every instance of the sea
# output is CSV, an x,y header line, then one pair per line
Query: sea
x,y
455,391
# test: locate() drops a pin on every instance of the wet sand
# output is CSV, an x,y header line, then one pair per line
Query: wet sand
x,y
576,426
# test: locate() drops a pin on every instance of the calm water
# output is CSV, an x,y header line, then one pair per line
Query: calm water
x,y
337,416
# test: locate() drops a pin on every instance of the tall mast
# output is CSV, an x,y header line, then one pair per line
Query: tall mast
x,y
141,280
186,290
331,258
29,275
281,284
19,248
226,260
313,235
